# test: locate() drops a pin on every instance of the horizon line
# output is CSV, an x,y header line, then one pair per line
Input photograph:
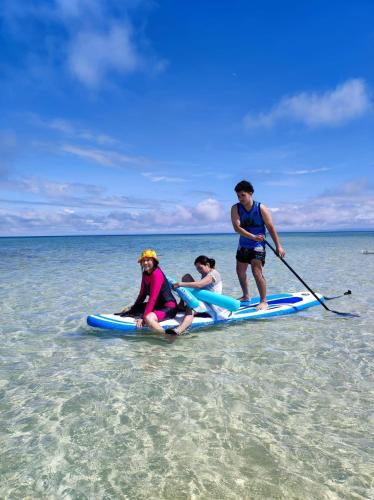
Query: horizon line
x,y
298,231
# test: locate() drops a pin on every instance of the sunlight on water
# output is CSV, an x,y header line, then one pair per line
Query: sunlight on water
x,y
280,408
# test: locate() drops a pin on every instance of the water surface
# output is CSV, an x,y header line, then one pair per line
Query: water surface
x,y
279,408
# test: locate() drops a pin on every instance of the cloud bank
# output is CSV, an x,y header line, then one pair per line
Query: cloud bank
x,y
63,208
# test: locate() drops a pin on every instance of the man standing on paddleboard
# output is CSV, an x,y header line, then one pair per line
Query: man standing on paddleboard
x,y
251,219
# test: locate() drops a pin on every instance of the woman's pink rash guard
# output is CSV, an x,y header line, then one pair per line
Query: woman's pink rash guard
x,y
153,282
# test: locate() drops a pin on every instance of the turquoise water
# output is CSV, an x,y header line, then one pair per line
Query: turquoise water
x,y
281,408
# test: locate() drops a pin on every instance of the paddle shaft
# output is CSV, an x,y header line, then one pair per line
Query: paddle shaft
x,y
299,277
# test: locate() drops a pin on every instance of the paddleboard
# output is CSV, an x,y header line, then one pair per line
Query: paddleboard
x,y
279,305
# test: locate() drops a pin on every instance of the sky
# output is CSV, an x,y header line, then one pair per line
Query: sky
x,y
140,117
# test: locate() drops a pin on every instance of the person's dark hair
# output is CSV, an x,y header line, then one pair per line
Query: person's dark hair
x,y
244,186
203,259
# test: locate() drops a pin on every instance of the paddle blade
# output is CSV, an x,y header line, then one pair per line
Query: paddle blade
x,y
345,315
348,292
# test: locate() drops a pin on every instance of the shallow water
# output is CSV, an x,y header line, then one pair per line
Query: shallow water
x,y
280,408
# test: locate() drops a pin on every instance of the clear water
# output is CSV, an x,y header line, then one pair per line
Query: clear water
x,y
281,408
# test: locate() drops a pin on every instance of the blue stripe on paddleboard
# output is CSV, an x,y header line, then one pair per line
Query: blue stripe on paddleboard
x,y
99,321
270,299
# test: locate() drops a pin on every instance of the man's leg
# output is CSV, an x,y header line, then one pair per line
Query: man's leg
x,y
241,271
256,266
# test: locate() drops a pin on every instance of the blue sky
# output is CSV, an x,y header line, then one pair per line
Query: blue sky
x,y
141,116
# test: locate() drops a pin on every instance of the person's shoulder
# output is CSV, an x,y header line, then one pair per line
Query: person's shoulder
x,y
262,205
265,212
156,273
215,274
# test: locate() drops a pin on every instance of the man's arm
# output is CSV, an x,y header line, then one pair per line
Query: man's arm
x,y
266,215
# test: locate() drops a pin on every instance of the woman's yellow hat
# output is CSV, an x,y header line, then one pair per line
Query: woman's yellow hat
x,y
149,253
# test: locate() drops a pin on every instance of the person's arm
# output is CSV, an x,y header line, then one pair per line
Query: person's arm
x,y
139,300
141,296
207,280
235,219
266,215
157,280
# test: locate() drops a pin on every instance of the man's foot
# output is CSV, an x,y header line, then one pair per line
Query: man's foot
x,y
244,298
262,306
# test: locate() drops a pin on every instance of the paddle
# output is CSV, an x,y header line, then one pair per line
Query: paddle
x,y
347,315
348,292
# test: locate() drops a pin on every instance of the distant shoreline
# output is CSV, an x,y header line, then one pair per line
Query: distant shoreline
x,y
332,231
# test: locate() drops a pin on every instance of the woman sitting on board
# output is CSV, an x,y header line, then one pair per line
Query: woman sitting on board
x,y
161,304
210,280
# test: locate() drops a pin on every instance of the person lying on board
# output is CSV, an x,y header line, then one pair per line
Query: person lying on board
x,y
161,304
251,219
210,280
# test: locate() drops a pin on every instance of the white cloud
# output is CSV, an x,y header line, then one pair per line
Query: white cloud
x,y
162,178
68,128
176,218
306,171
76,8
93,54
209,210
69,215
106,158
349,206
51,189
8,149
346,102
76,209
61,126
92,39
67,195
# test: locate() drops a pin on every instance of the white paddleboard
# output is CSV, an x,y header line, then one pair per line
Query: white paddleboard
x,y
279,305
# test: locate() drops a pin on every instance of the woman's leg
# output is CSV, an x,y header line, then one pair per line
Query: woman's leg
x,y
151,321
186,322
189,314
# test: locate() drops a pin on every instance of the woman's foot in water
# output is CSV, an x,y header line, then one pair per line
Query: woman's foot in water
x,y
172,331
176,332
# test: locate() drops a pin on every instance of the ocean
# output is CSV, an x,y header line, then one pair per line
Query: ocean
x,y
273,409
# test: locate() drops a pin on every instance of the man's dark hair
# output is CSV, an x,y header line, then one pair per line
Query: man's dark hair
x,y
244,186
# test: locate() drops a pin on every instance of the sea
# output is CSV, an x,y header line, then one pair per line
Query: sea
x,y
270,409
